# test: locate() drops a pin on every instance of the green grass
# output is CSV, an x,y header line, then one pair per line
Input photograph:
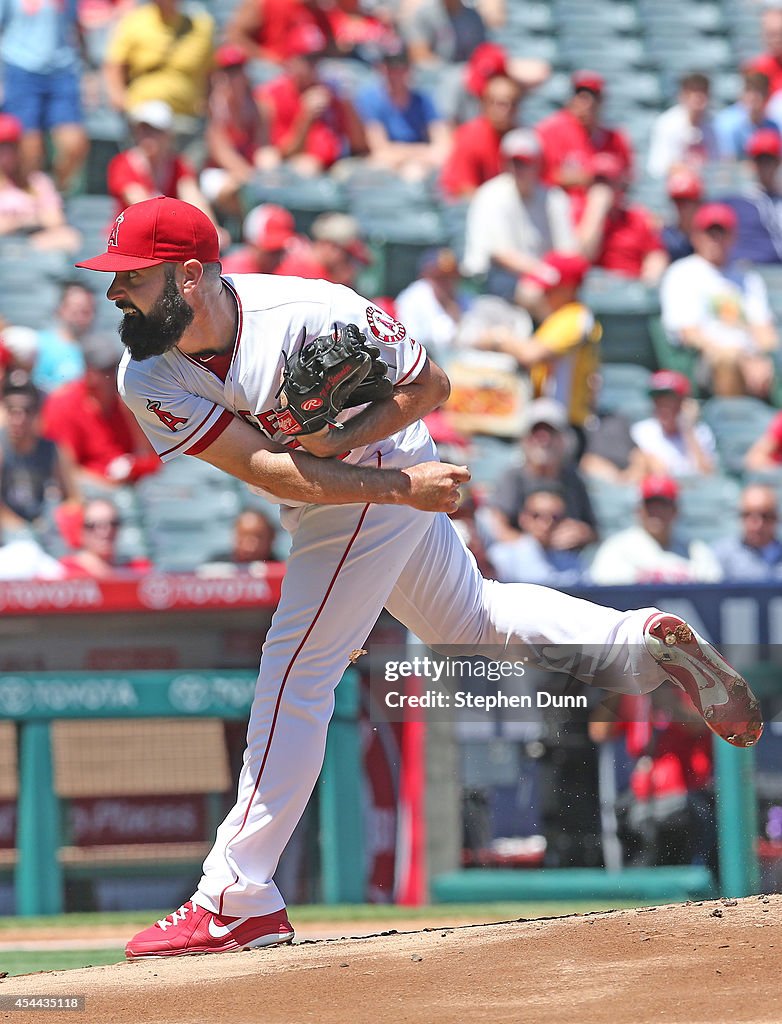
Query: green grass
x,y
28,962
57,960
340,912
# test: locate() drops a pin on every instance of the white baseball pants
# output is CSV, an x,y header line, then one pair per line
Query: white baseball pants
x,y
346,563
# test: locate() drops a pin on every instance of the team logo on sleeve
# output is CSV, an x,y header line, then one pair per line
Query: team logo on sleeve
x,y
171,421
384,327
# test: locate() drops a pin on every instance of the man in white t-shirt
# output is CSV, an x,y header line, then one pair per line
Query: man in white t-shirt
x,y
672,439
651,552
513,220
431,307
720,310
684,134
366,506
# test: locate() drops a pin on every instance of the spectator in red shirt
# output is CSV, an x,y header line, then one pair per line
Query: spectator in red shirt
x,y
614,235
87,418
354,32
97,556
263,28
152,167
770,62
336,252
311,125
765,455
571,137
475,151
268,231
237,138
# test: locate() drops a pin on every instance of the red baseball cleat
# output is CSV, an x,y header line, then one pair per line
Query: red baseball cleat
x,y
191,929
718,692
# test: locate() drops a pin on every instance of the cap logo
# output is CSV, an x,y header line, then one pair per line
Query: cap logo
x,y
115,231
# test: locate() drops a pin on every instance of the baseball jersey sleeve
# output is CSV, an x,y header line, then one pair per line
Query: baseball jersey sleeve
x,y
175,421
404,355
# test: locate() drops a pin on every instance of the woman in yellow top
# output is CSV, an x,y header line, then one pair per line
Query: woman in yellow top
x,y
161,51
563,354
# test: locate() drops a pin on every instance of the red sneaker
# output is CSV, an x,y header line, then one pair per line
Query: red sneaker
x,y
718,692
191,929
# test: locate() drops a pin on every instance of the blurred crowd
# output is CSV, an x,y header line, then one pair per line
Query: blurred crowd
x,y
587,469
587,482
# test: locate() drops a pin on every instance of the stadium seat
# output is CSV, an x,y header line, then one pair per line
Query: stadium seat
x,y
398,238
736,424
614,505
708,507
624,389
624,308
306,198
670,356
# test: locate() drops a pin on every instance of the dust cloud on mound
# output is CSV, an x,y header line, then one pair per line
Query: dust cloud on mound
x,y
695,963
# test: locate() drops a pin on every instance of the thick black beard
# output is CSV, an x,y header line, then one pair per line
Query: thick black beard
x,y
161,328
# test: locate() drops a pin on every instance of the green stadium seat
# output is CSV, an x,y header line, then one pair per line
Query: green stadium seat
x,y
736,424
670,356
306,198
624,389
708,507
614,505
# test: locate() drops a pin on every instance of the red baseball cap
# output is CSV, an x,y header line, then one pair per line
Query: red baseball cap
x,y
659,487
487,60
567,269
10,128
161,230
229,55
306,39
713,215
590,80
766,142
665,381
684,183
269,227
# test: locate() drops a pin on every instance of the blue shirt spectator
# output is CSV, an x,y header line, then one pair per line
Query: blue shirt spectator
x,y
677,243
403,131
535,556
58,361
40,37
757,554
758,208
41,49
402,124
736,124
685,190
527,561
59,357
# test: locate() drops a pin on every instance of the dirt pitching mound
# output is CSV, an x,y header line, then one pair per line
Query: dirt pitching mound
x,y
695,963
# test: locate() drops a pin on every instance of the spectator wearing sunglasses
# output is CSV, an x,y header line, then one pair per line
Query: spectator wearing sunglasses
x,y
532,558
98,555
756,554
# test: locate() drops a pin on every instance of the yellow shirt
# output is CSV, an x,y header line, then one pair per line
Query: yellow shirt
x,y
165,61
572,335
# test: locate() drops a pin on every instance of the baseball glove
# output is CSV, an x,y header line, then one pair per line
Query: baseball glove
x,y
332,373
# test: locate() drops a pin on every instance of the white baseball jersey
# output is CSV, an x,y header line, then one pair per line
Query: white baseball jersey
x,y
183,404
346,563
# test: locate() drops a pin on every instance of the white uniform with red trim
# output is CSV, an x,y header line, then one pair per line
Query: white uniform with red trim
x,y
346,563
